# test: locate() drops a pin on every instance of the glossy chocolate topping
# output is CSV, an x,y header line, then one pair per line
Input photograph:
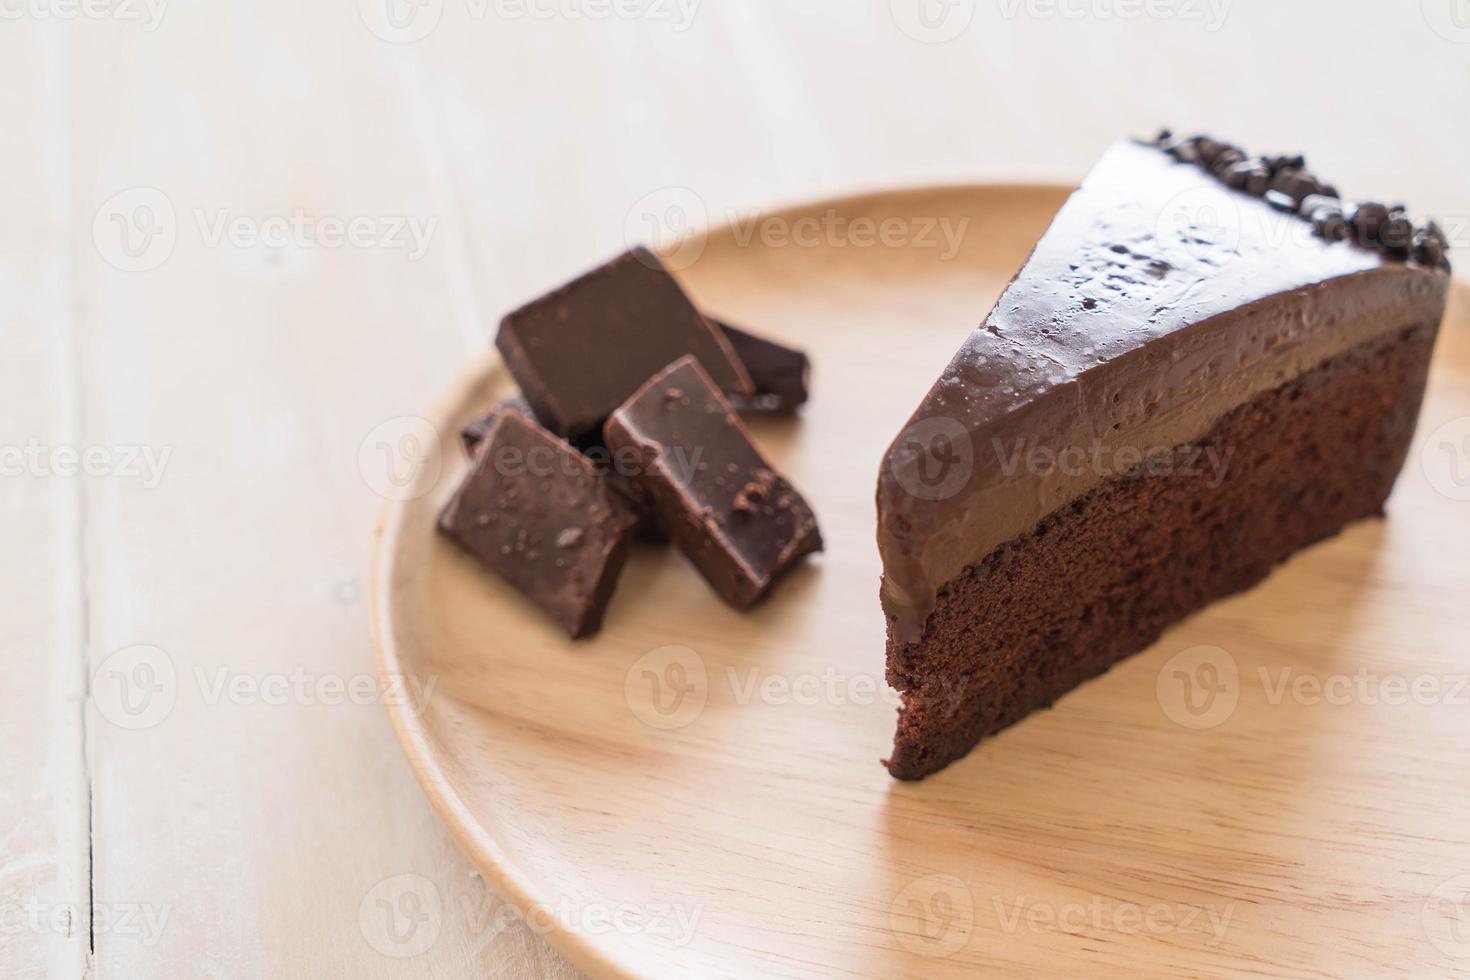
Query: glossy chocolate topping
x,y
1159,299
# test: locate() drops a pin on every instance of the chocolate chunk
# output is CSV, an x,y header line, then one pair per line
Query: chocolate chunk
x,y
1186,150
1432,230
1365,220
1396,234
1236,175
1429,249
474,432
1252,176
620,468
1281,201
580,351
1210,150
1296,184
730,512
1312,202
1227,158
1330,224
778,372
537,511
1286,162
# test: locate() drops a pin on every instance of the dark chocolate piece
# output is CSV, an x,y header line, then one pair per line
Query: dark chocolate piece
x,y
740,523
778,372
619,470
648,529
581,350
538,512
474,432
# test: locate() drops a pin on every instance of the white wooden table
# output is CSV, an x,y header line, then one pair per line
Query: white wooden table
x,y
240,240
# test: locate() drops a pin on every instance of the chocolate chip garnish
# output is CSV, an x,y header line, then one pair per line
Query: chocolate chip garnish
x,y
1186,151
1397,234
1286,185
1281,202
1210,150
1296,162
1428,250
1227,158
1297,184
1312,202
1330,224
1253,175
1237,174
1365,219
1433,230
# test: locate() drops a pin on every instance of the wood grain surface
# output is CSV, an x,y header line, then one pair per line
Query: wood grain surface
x,y
697,791
244,831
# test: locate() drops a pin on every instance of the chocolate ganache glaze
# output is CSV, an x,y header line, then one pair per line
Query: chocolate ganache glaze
x,y
1180,280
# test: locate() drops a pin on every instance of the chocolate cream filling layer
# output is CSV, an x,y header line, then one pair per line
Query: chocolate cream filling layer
x,y
1157,301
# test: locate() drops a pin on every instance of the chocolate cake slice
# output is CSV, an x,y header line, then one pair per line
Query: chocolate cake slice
x,y
1207,363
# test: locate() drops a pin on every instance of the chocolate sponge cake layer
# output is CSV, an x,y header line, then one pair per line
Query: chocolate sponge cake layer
x,y
1101,578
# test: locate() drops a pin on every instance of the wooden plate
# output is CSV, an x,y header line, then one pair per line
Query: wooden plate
x,y
697,792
